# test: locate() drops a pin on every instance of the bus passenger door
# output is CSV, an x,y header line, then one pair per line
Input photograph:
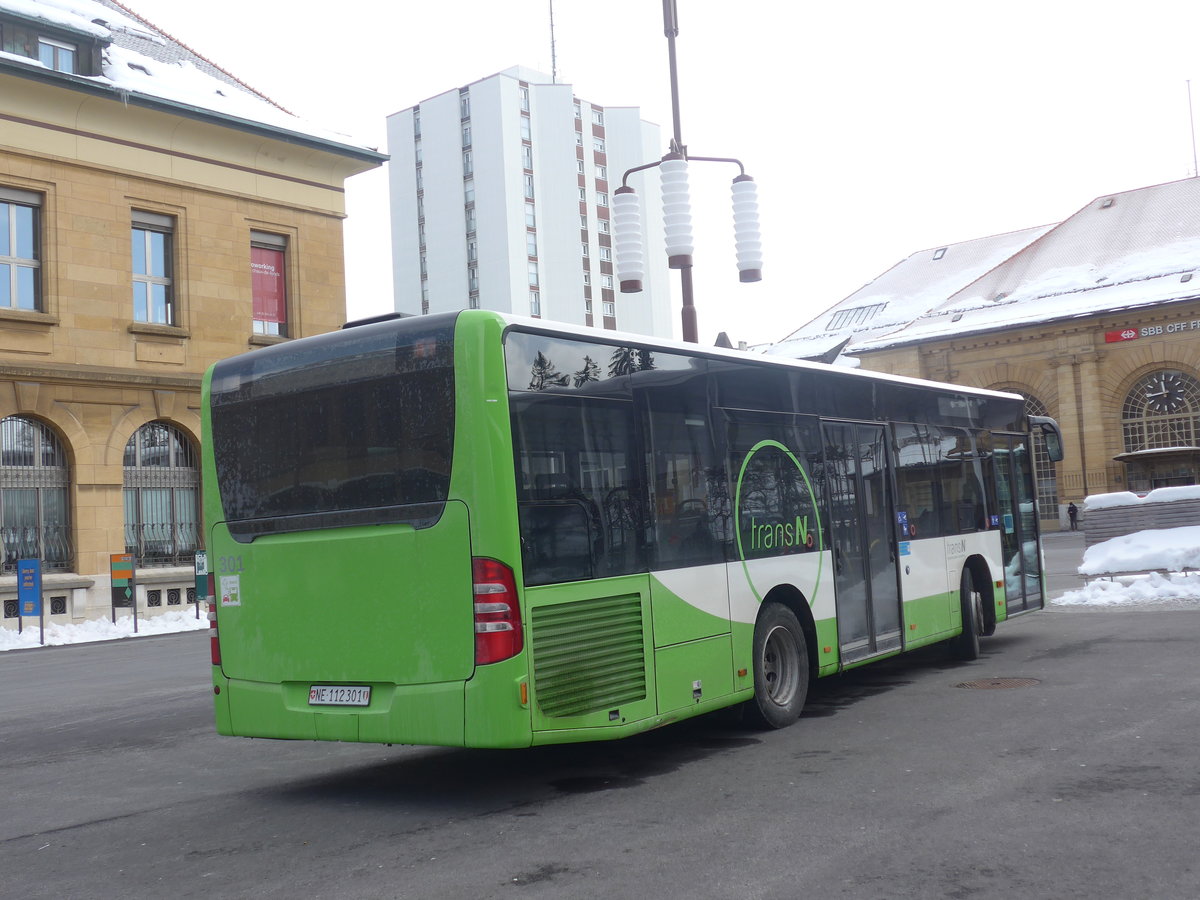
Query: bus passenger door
x,y
864,547
1018,524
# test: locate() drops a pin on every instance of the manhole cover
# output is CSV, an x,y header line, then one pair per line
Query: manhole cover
x,y
996,684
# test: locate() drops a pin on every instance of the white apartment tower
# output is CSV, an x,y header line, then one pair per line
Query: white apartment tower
x,y
500,196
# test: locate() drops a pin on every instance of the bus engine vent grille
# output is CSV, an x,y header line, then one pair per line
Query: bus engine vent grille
x,y
588,655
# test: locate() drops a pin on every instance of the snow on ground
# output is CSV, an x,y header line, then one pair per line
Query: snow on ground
x,y
1136,590
101,629
1153,552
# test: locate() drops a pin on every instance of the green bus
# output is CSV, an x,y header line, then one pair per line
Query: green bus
x,y
473,529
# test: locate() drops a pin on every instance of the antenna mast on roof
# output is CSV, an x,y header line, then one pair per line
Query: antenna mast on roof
x,y
1192,120
553,53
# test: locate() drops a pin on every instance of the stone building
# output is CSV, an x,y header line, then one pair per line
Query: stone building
x,y
156,215
1096,321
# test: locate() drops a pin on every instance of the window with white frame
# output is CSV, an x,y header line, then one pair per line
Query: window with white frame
x,y
602,226
57,55
606,254
526,156
606,281
583,250
598,144
533,274
602,173
468,163
531,243
466,136
526,129
524,94
583,195
610,309
530,215
597,117
601,198
20,251
528,187
153,268
535,303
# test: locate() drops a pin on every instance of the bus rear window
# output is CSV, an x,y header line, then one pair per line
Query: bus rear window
x,y
350,428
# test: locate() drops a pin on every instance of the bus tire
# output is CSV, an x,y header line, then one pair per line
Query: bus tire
x,y
780,668
966,645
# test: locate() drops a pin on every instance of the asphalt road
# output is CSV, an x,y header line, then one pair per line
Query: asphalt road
x,y
897,783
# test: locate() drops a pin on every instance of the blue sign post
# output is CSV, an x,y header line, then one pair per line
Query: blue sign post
x,y
29,593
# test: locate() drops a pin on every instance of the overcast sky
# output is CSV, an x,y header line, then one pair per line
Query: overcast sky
x,y
873,128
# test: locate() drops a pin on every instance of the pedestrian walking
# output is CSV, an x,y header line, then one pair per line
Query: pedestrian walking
x,y
1073,515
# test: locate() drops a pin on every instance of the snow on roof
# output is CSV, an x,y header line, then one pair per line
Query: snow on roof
x,y
909,289
1119,252
139,59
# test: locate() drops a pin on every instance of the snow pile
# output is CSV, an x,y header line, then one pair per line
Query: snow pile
x,y
1128,498
1134,590
1166,549
101,630
1154,551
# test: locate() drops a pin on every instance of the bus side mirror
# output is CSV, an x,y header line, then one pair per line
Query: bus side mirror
x,y
1052,435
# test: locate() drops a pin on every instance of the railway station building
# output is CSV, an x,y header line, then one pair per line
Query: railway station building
x,y
1094,320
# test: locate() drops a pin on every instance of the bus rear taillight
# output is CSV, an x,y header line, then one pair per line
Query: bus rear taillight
x,y
498,632
214,643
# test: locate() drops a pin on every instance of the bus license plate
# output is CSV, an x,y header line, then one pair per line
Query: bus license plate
x,y
338,695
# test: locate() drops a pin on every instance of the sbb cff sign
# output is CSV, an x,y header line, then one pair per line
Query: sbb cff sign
x,y
1129,334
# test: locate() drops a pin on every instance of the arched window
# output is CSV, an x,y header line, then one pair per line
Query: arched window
x,y
162,502
34,503
1047,478
1162,410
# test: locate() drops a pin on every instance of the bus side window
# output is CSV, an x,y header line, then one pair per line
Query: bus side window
x,y
576,496
961,483
917,477
686,479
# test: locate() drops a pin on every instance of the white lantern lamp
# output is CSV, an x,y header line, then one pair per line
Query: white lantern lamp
x,y
746,234
677,211
627,239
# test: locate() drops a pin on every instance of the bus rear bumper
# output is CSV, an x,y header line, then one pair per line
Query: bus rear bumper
x,y
397,714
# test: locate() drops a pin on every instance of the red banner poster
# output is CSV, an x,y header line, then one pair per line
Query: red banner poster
x,y
267,285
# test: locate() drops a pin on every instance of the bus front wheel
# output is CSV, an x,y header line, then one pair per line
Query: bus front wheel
x,y
780,668
966,645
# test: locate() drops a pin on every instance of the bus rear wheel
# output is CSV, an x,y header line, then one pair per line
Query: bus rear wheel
x,y
780,668
966,645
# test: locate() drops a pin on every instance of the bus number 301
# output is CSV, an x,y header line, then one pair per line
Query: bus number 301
x,y
229,565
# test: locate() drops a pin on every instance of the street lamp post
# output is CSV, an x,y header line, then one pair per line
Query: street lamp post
x,y
677,216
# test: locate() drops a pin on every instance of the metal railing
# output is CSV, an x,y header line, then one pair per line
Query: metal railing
x,y
49,543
